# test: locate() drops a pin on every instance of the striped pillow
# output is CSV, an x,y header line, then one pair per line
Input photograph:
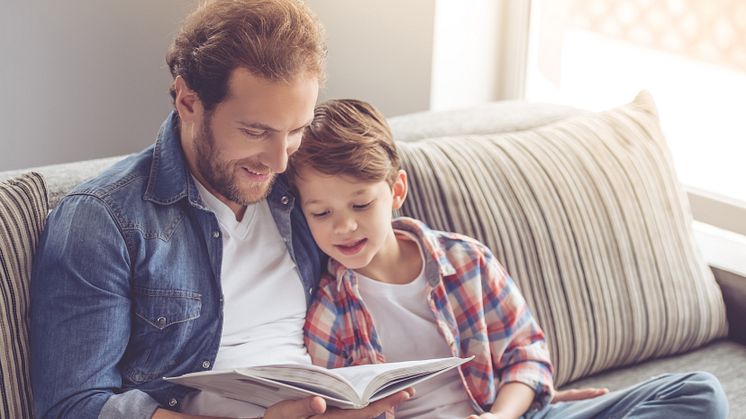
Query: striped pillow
x,y
23,209
588,217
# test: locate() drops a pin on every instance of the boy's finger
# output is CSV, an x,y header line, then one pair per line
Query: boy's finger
x,y
381,406
373,410
579,394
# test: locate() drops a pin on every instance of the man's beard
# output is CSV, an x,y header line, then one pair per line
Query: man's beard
x,y
220,174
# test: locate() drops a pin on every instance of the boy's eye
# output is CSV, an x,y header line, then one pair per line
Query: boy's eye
x,y
362,206
319,214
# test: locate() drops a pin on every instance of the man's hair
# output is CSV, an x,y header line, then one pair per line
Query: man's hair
x,y
274,39
347,137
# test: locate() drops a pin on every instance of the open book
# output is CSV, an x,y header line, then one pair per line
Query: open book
x,y
348,387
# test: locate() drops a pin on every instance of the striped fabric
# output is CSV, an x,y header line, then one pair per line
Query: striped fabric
x,y
23,209
587,216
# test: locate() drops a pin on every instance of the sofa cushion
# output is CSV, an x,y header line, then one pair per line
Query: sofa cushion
x,y
23,209
63,177
588,217
486,118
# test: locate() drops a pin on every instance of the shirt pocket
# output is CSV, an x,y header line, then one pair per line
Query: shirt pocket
x,y
162,323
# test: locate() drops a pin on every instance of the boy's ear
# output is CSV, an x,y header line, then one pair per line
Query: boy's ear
x,y
187,102
399,189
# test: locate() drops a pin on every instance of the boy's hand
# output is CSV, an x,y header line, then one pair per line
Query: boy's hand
x,y
560,396
315,407
578,394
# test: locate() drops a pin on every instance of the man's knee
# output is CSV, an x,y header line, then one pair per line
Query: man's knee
x,y
709,392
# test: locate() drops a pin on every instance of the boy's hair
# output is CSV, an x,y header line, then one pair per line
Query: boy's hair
x,y
274,39
347,137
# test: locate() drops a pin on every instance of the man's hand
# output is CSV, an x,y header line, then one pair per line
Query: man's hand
x,y
578,394
167,414
486,415
315,408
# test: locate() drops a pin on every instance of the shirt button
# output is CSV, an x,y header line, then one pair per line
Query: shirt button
x,y
216,234
172,402
284,200
161,321
206,364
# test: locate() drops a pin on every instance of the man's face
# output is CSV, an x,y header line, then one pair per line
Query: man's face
x,y
243,142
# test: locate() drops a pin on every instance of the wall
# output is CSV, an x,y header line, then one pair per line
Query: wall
x,y
379,51
479,52
82,78
463,36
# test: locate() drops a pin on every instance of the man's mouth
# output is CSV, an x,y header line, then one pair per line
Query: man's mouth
x,y
255,175
352,248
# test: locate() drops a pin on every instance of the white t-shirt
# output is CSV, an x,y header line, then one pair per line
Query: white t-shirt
x,y
264,302
407,330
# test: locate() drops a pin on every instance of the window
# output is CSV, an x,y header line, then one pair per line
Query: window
x,y
690,54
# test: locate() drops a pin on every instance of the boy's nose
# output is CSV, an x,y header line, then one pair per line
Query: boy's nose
x,y
345,225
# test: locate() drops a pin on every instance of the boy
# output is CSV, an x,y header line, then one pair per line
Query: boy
x,y
389,278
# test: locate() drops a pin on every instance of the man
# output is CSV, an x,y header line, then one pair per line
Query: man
x,y
190,255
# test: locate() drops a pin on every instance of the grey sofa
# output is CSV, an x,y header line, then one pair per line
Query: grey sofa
x,y
439,143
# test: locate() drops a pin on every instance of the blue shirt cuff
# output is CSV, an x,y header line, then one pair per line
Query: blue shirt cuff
x,y
133,404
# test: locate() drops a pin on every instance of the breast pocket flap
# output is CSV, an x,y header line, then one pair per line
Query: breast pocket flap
x,y
163,308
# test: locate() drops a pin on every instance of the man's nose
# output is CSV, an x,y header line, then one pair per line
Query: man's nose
x,y
277,153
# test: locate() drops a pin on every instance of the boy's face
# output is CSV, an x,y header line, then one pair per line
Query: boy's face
x,y
350,219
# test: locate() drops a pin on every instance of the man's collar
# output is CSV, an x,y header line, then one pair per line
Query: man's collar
x,y
169,175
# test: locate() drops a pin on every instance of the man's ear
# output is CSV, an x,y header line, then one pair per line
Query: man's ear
x,y
399,189
187,102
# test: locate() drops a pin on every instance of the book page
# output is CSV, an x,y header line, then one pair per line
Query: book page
x,y
349,387
311,377
253,389
367,379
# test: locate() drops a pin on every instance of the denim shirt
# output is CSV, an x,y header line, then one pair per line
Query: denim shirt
x,y
125,286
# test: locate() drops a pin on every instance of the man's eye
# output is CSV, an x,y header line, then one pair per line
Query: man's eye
x,y
254,134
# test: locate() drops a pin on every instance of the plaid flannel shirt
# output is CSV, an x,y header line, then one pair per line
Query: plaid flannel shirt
x,y
476,305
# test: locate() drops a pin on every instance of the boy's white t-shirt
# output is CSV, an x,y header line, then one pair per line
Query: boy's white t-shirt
x,y
260,325
408,332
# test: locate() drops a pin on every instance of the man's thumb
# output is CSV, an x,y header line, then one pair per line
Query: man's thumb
x,y
302,408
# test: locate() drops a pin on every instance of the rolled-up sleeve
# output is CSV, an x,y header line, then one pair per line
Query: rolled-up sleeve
x,y
518,347
322,325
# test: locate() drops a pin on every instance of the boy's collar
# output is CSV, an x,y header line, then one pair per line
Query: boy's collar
x,y
437,264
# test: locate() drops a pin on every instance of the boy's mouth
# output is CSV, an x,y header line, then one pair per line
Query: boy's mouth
x,y
351,248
